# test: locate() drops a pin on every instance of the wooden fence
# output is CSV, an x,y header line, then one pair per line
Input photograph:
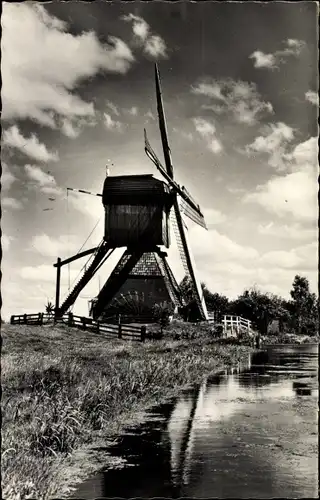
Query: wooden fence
x,y
232,326
120,330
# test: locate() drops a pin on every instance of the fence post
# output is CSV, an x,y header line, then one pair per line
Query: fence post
x,y
56,309
143,333
40,320
12,320
70,319
84,325
98,327
25,319
119,331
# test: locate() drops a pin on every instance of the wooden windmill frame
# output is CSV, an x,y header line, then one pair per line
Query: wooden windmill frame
x,y
133,254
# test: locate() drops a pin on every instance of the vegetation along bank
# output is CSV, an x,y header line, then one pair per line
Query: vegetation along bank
x,y
66,389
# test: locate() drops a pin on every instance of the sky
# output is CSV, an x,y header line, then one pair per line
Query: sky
x,y
240,90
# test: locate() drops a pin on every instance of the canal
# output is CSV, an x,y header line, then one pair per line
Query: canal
x,y
250,432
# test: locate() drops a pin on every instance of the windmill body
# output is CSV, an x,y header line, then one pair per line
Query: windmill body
x,y
138,211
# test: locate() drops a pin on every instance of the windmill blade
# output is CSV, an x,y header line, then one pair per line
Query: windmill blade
x,y
163,126
187,260
190,207
153,157
192,214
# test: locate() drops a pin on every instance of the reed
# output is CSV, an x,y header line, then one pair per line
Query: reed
x,y
62,389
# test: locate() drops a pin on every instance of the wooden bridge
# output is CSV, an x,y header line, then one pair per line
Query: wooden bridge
x,y
232,326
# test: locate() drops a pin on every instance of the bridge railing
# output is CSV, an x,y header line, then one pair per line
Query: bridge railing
x,y
232,325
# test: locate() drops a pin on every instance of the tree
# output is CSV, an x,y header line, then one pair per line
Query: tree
x,y
259,307
304,306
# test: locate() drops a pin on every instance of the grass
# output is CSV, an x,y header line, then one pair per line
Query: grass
x,y
64,388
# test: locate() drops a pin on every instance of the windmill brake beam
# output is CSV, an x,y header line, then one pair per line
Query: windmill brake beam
x,y
75,257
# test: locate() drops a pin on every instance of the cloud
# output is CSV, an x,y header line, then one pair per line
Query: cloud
x,y
42,180
292,47
214,217
273,142
69,130
113,108
6,242
150,115
111,124
293,231
228,267
133,111
312,97
51,247
186,135
7,178
240,99
13,203
153,45
30,146
42,64
140,27
293,194
207,130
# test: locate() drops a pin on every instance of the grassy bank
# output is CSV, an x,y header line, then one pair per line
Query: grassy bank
x,y
290,338
64,389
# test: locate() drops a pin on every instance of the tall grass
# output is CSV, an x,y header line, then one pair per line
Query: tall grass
x,y
61,388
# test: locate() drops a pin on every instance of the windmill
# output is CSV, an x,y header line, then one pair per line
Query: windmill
x,y
138,210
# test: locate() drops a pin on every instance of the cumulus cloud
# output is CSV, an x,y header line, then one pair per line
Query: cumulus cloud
x,y
293,231
42,64
312,97
140,27
6,242
30,146
186,135
273,142
295,193
69,129
42,180
112,124
153,45
208,131
133,111
292,47
7,178
9,202
51,247
240,99
113,108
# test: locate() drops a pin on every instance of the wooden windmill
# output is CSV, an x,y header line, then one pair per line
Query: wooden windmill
x,y
138,210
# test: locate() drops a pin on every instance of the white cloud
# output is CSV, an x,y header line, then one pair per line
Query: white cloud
x,y
155,47
6,242
312,97
7,178
139,26
184,134
42,63
113,108
112,124
214,217
293,194
30,146
273,142
293,231
292,47
13,203
133,111
43,273
262,60
52,247
150,115
239,98
69,129
207,130
45,181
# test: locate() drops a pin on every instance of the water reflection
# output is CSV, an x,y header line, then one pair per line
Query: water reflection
x,y
241,434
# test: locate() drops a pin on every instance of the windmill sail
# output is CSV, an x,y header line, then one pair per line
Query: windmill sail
x,y
183,242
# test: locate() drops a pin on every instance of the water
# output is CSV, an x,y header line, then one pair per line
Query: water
x,y
247,433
